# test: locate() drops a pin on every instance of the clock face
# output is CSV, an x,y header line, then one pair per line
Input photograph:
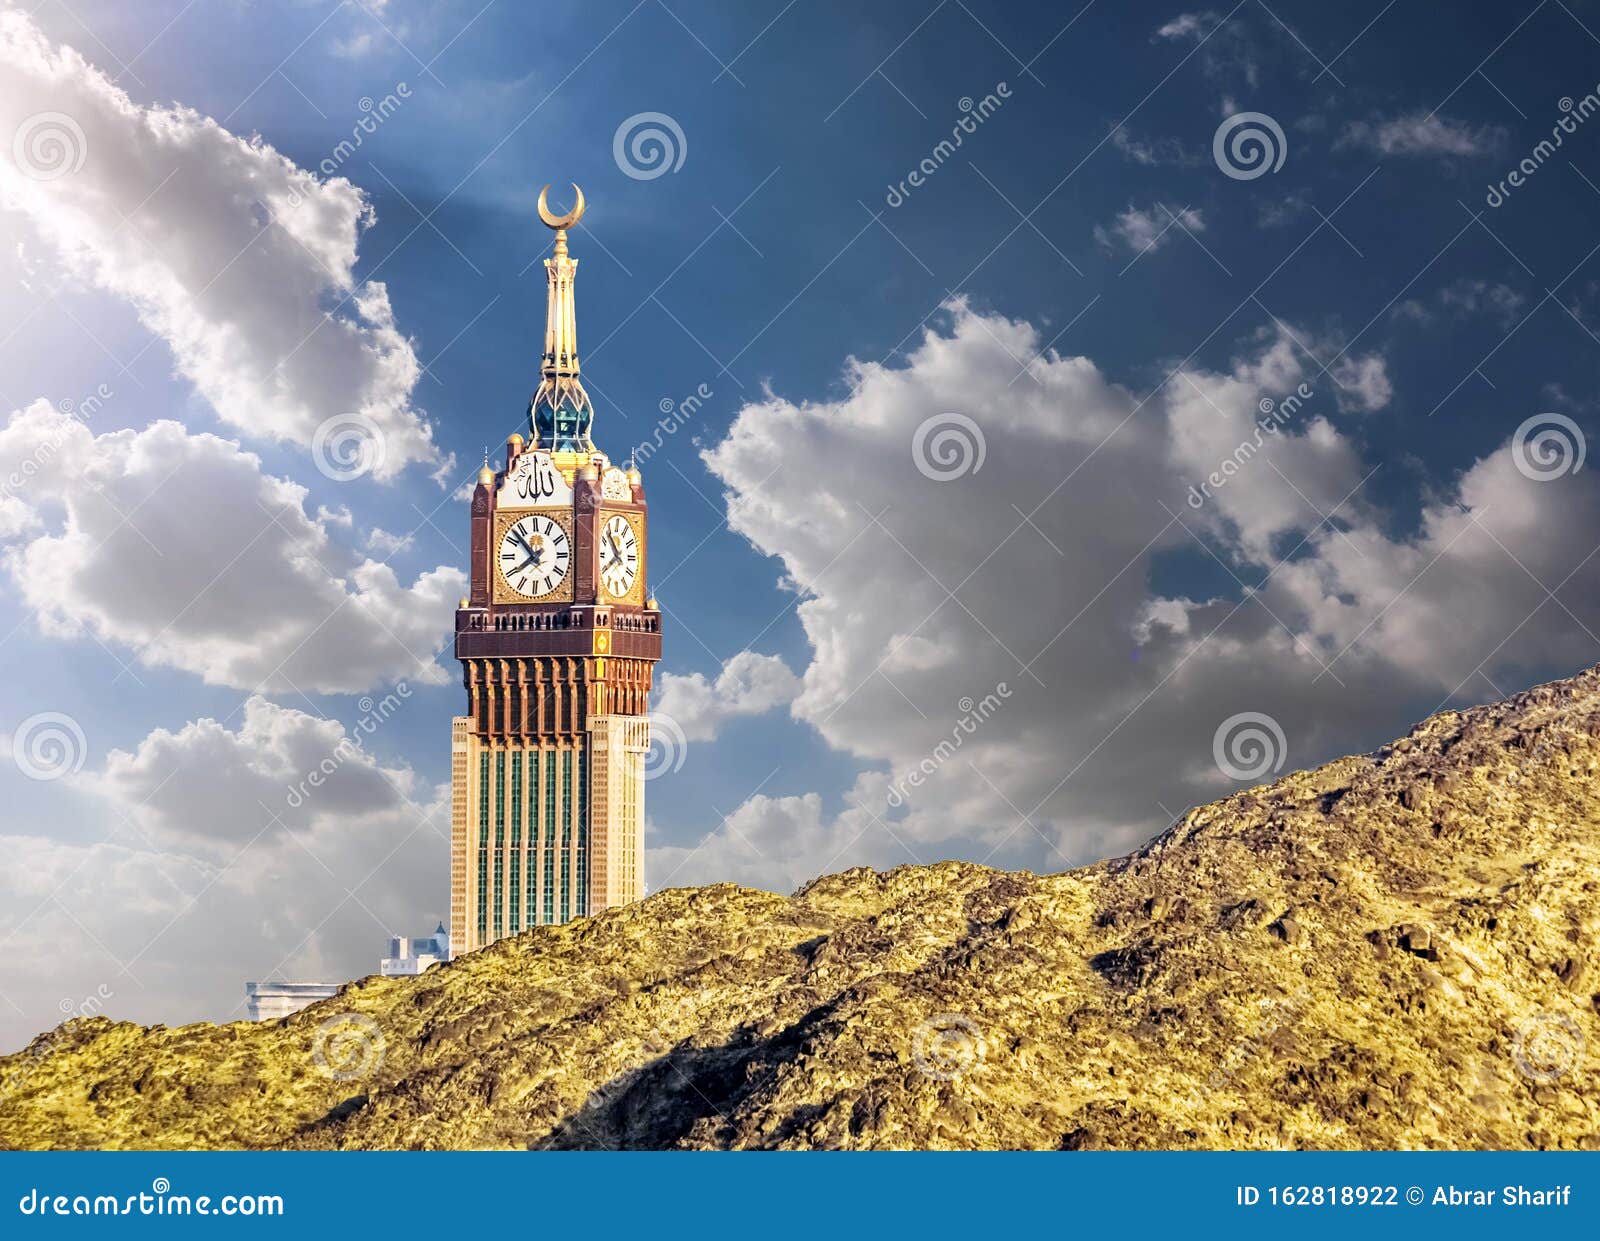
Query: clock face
x,y
619,555
534,555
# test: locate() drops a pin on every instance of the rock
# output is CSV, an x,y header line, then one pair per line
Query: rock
x,y
1243,981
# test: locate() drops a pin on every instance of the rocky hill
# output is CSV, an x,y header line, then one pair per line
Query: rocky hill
x,y
1395,950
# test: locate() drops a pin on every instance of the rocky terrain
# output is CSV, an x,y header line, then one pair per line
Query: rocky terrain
x,y
1395,950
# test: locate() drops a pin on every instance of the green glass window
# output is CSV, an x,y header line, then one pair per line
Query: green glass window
x,y
548,765
499,842
516,842
483,847
566,835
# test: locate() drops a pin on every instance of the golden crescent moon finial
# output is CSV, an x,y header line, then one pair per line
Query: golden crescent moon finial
x,y
559,222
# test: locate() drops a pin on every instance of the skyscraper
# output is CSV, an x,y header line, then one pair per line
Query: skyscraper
x,y
557,640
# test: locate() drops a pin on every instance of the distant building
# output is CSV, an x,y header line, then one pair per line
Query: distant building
x,y
267,1001
411,955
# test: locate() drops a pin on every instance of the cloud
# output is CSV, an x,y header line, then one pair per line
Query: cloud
x,y
1017,549
386,543
1422,134
748,684
1144,229
206,876
240,261
1463,299
1153,152
1227,51
104,540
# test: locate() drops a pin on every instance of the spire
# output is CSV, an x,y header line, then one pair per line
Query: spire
x,y
560,412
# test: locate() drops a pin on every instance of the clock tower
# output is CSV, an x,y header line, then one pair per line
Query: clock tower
x,y
557,642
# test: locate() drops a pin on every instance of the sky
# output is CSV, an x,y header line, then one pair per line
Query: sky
x,y
1052,418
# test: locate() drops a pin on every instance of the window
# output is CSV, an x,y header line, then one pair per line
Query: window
x,y
483,847
499,842
566,835
548,763
516,842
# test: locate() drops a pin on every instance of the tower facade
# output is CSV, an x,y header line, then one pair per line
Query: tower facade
x,y
558,640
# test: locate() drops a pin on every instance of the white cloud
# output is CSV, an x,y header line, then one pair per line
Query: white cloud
x,y
207,876
105,539
242,262
1418,133
386,543
748,684
1187,26
1143,229
1154,151
1113,691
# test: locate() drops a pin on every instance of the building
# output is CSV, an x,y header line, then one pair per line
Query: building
x,y
557,640
410,955
267,1001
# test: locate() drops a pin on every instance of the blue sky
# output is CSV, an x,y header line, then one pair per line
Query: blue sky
x,y
1081,280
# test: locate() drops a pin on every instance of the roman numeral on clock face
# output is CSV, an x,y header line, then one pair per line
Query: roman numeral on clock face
x,y
619,555
534,556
